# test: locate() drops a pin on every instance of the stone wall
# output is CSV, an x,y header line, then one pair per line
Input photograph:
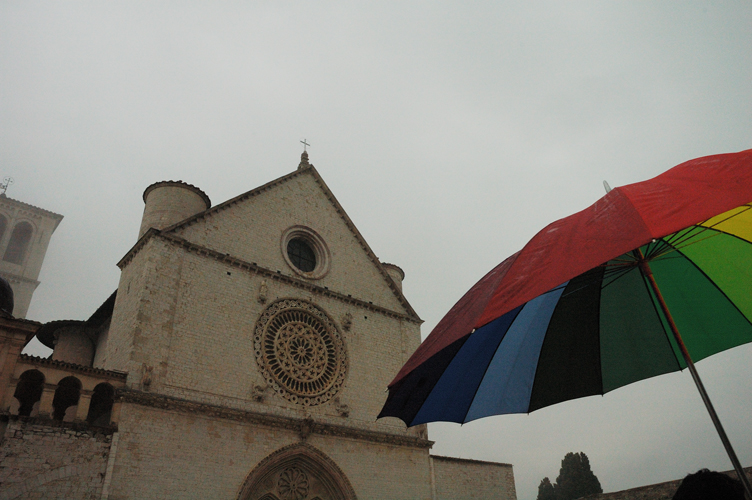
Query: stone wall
x,y
458,479
190,318
659,491
251,230
165,454
41,461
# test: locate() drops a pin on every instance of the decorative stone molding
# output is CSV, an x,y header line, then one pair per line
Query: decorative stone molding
x,y
12,204
293,484
347,320
305,428
258,392
263,292
43,423
146,376
13,278
315,243
411,314
297,471
342,409
180,184
262,271
300,352
168,403
36,361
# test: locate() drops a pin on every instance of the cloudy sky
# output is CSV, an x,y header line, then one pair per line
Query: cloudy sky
x,y
451,132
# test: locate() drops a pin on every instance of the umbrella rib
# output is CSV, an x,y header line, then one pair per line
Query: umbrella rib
x,y
691,237
659,315
715,286
748,207
618,274
480,381
618,270
692,234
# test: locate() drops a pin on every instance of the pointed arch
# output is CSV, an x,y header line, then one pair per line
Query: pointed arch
x,y
297,471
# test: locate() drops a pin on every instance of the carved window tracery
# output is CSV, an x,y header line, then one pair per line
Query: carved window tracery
x,y
296,472
300,352
293,484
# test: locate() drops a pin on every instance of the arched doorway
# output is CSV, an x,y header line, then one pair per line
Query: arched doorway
x,y
297,472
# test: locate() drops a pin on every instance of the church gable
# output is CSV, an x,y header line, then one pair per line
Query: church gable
x,y
295,227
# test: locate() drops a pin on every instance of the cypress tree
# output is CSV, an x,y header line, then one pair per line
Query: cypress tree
x,y
546,490
575,478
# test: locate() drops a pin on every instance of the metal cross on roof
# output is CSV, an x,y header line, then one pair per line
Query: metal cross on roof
x,y
305,144
6,182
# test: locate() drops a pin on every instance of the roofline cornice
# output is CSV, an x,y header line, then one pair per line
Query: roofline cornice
x,y
179,184
169,231
232,201
18,279
141,243
371,255
26,327
470,461
28,206
71,367
268,273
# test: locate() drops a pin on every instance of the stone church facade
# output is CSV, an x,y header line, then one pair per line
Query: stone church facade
x,y
244,355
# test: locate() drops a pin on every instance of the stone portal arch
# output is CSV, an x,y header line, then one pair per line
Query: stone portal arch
x,y
297,472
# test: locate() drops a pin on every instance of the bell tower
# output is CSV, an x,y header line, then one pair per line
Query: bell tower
x,y
25,232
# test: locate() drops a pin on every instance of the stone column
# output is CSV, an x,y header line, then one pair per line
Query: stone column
x,y
12,339
84,400
115,413
45,402
10,403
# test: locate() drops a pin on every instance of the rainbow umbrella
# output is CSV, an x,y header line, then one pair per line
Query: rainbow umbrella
x,y
596,301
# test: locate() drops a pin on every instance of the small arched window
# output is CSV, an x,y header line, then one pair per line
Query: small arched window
x,y
66,396
100,408
29,391
19,243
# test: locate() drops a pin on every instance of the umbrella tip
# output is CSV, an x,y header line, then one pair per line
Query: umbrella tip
x,y
606,187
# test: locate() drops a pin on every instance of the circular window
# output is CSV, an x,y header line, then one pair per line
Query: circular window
x,y
305,252
301,255
300,352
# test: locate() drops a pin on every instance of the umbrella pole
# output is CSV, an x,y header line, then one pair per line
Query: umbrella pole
x,y
696,377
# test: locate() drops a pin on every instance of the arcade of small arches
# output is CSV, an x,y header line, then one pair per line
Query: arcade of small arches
x,y
63,397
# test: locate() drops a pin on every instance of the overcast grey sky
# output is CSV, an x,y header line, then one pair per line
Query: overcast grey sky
x,y
451,132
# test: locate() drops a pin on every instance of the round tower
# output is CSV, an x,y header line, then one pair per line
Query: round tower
x,y
70,340
169,202
394,272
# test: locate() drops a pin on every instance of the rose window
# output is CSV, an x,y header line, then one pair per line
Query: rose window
x,y
300,352
293,484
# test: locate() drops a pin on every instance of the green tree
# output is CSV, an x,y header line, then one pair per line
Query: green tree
x,y
575,478
546,490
